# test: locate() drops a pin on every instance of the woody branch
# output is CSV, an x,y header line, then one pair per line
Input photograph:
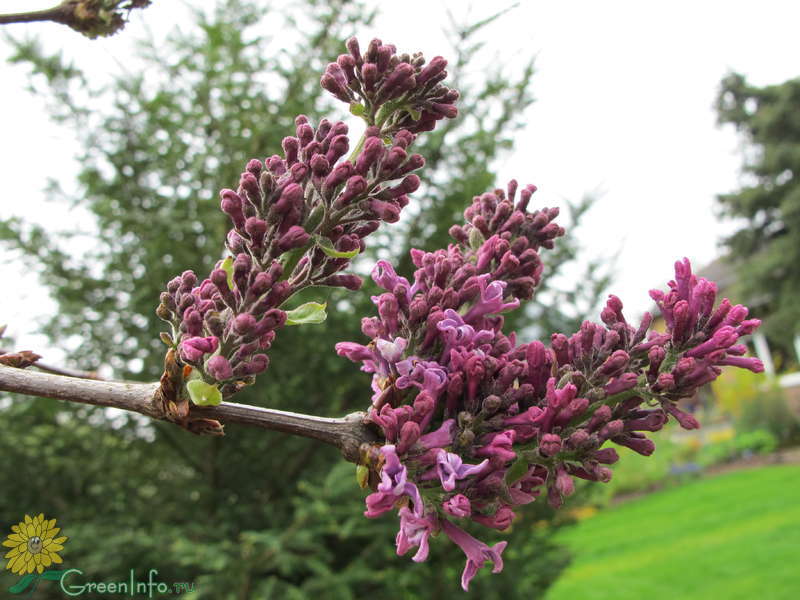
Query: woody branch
x,y
346,433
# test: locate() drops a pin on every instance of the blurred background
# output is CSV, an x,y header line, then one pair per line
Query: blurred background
x,y
660,131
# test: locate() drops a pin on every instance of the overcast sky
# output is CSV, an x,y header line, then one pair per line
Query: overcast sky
x,y
624,91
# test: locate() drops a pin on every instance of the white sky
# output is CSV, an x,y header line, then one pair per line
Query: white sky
x,y
624,106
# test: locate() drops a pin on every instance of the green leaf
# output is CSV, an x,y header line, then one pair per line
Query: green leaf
x,y
310,313
476,238
516,471
227,266
415,114
357,109
204,394
326,247
166,338
362,476
23,583
52,575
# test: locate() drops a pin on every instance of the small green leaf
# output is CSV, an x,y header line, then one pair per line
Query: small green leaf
x,y
415,114
227,266
516,471
357,109
204,394
476,238
362,476
52,575
166,338
326,247
314,218
310,313
23,583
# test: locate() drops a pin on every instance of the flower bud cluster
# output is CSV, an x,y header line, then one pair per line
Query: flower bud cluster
x,y
297,221
476,424
392,91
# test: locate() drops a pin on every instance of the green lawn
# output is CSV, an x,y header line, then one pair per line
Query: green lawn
x,y
735,536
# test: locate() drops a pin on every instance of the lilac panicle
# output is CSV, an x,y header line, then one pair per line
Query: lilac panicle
x,y
484,424
372,79
298,218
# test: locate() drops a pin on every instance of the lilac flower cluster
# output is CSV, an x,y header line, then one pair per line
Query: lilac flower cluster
x,y
298,219
389,90
476,424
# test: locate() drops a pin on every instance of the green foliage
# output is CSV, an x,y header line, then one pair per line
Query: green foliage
x,y
256,514
688,543
743,445
766,251
737,388
769,412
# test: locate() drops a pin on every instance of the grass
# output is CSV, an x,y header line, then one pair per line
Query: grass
x,y
735,536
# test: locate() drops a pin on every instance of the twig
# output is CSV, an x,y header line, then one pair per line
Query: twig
x,y
57,14
92,18
347,433
66,372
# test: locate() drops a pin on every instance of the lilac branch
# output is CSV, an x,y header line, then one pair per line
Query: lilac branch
x,y
346,433
92,18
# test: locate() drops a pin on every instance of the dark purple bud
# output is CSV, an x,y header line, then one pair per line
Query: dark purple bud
x,y
256,228
193,322
355,52
611,429
345,280
231,205
339,175
220,279
686,420
291,197
338,148
244,324
432,70
636,442
254,166
291,147
219,368
458,506
614,364
409,434
372,152
652,421
606,456
550,444
564,483
295,237
320,166
356,186
385,211
193,348
623,383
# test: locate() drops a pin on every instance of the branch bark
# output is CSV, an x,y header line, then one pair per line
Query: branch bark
x,y
57,14
89,17
347,433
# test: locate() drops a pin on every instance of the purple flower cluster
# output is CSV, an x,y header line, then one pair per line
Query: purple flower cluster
x,y
298,219
389,90
476,424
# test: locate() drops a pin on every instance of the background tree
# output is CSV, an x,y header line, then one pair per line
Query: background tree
x,y
765,250
252,515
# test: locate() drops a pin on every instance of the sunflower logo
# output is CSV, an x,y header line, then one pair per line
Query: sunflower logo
x,y
34,545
